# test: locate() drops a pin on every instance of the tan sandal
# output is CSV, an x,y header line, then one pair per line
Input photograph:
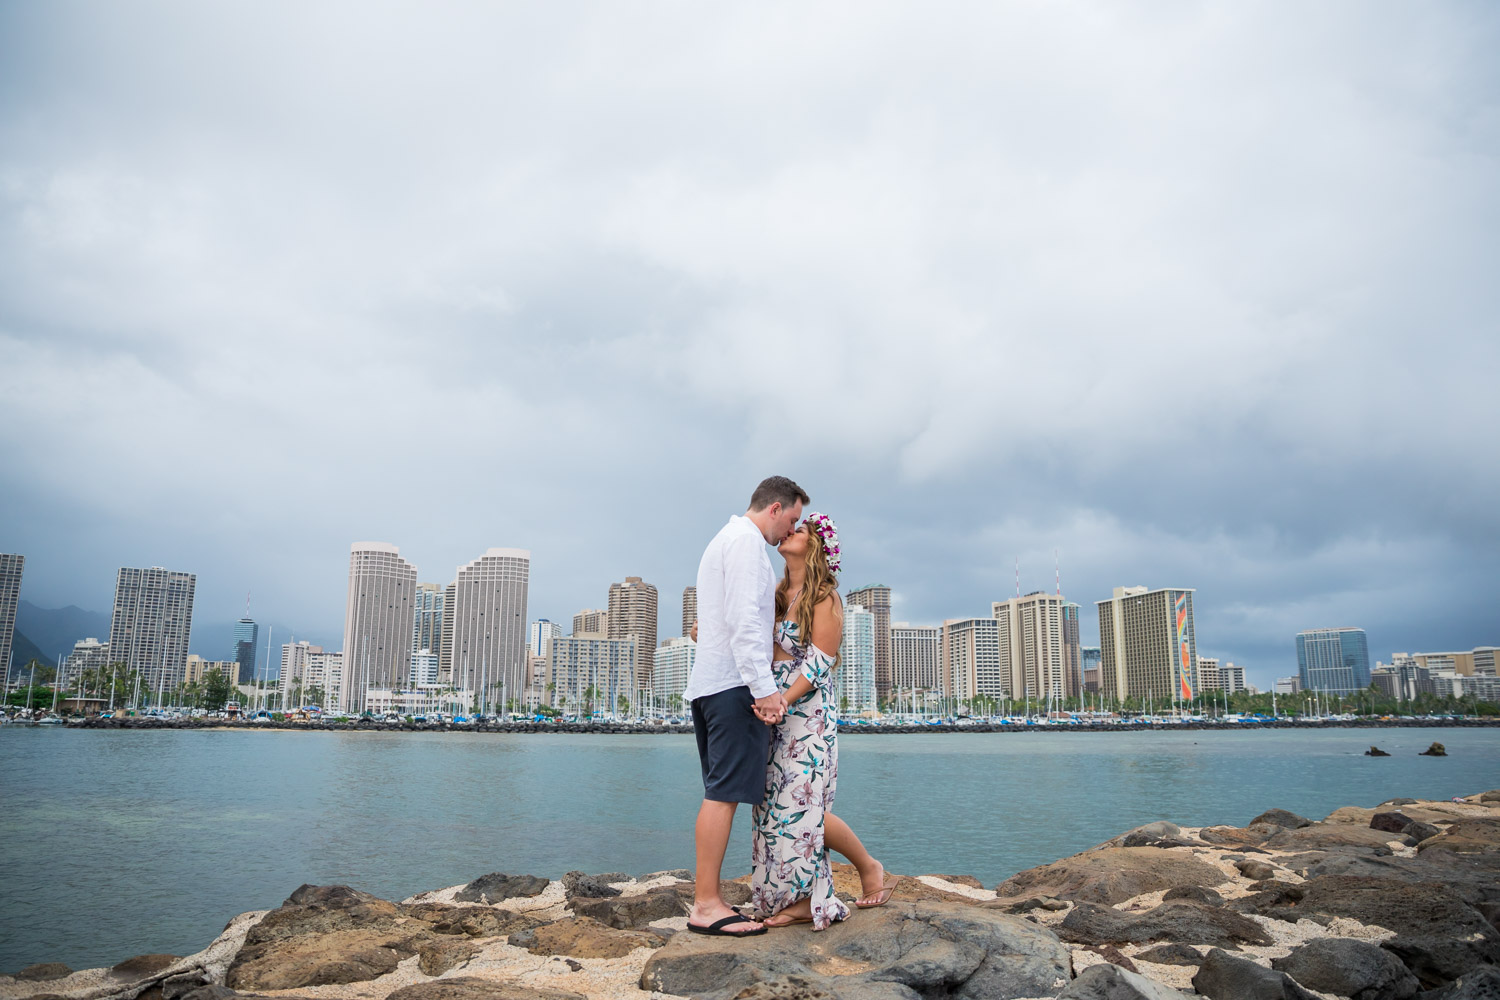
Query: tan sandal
x,y
785,922
882,897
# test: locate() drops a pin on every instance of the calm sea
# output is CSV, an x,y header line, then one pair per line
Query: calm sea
x,y
117,843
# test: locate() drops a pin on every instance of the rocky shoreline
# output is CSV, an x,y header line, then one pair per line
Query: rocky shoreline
x,y
625,728
1395,902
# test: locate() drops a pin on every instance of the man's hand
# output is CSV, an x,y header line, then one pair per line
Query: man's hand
x,y
771,708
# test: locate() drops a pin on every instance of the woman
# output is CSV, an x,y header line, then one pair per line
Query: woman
x,y
792,882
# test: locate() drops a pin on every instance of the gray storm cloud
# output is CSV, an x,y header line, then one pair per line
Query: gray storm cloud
x,y
1196,296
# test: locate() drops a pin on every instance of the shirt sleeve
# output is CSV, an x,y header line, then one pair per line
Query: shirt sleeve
x,y
744,610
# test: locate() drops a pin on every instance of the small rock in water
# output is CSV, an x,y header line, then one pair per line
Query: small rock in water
x,y
1376,752
1436,750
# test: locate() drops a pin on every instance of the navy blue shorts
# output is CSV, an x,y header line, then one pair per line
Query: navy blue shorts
x,y
733,746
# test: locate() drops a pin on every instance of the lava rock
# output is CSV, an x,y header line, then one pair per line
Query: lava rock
x,y
1110,875
1391,822
1283,818
1111,982
1481,984
1145,836
582,937
1467,836
142,966
1341,838
680,874
1171,954
932,949
625,912
1492,796
1257,870
1349,968
474,988
43,972
1435,750
1178,921
1421,831
592,886
1376,752
1225,977
1194,893
498,886
472,920
438,956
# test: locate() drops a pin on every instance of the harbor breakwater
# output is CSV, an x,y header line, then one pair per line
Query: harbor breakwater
x,y
631,728
1396,902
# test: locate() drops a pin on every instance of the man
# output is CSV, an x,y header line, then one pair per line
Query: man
x,y
733,694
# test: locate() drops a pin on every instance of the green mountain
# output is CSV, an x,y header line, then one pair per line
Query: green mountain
x,y
23,650
55,630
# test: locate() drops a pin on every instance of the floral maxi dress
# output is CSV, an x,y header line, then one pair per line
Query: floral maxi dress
x,y
787,849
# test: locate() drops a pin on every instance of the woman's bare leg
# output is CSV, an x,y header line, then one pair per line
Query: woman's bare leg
x,y
840,838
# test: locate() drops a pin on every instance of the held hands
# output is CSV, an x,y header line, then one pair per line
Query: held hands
x,y
771,708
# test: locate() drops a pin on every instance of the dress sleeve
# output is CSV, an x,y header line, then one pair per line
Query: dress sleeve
x,y
817,666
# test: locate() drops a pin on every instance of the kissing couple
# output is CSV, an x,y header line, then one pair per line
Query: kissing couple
x,y
765,714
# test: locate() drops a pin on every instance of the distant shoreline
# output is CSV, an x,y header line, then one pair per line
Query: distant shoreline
x,y
620,728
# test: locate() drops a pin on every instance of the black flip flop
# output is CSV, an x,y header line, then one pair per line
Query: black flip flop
x,y
716,929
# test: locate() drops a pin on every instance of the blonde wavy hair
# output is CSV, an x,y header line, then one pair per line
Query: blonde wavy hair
x,y
817,585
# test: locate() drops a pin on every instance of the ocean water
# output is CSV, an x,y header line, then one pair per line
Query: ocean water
x,y
114,844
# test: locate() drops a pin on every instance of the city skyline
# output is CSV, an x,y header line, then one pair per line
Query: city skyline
x,y
1152,288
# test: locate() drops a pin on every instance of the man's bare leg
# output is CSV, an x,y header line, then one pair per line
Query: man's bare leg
x,y
839,838
711,837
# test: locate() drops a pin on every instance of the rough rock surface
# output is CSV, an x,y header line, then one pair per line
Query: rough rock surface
x,y
1226,977
1280,817
1349,968
1111,875
1194,893
1481,984
1258,870
1172,954
42,972
1181,921
1467,836
471,988
636,910
583,937
497,887
591,886
1110,982
898,950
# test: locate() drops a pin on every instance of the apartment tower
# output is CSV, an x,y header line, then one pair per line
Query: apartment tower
x,y
854,676
632,615
876,598
489,627
592,668
246,645
1148,647
673,667
377,622
10,598
689,609
151,623
539,637
969,662
914,658
1333,660
427,620
591,621
1029,631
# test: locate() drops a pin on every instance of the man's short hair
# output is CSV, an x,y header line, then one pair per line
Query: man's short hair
x,y
777,489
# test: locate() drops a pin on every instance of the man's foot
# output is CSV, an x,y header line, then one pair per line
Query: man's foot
x,y
799,912
876,889
702,917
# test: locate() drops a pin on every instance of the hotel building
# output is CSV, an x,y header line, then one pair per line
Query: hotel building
x,y
489,627
632,615
10,598
1333,660
1148,647
673,667
915,655
689,609
969,662
377,622
876,598
151,623
315,669
854,675
1029,631
591,660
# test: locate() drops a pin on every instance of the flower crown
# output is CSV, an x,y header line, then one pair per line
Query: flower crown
x,y
823,525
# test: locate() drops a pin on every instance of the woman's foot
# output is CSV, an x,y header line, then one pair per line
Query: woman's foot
x,y
799,912
876,889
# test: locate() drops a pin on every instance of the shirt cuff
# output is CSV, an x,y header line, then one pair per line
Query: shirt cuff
x,y
762,687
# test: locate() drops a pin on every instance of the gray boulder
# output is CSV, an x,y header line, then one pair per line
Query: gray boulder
x,y
1194,893
1181,921
1481,984
473,988
1349,968
627,912
498,886
931,949
1110,982
1392,822
591,886
1257,870
1171,954
1280,817
1226,977
1110,875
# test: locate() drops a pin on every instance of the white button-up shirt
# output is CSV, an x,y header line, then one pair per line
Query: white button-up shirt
x,y
736,612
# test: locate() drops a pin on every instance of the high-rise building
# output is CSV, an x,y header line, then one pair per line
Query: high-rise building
x,y
197,669
310,676
914,658
876,597
1072,651
854,676
689,609
88,654
591,621
445,647
1089,657
427,621
539,638
674,665
591,668
1148,645
10,598
151,624
632,615
377,622
1231,678
246,635
1333,660
969,659
424,669
489,627
1208,674
1029,630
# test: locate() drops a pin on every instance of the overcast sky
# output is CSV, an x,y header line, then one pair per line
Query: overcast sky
x,y
1192,294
